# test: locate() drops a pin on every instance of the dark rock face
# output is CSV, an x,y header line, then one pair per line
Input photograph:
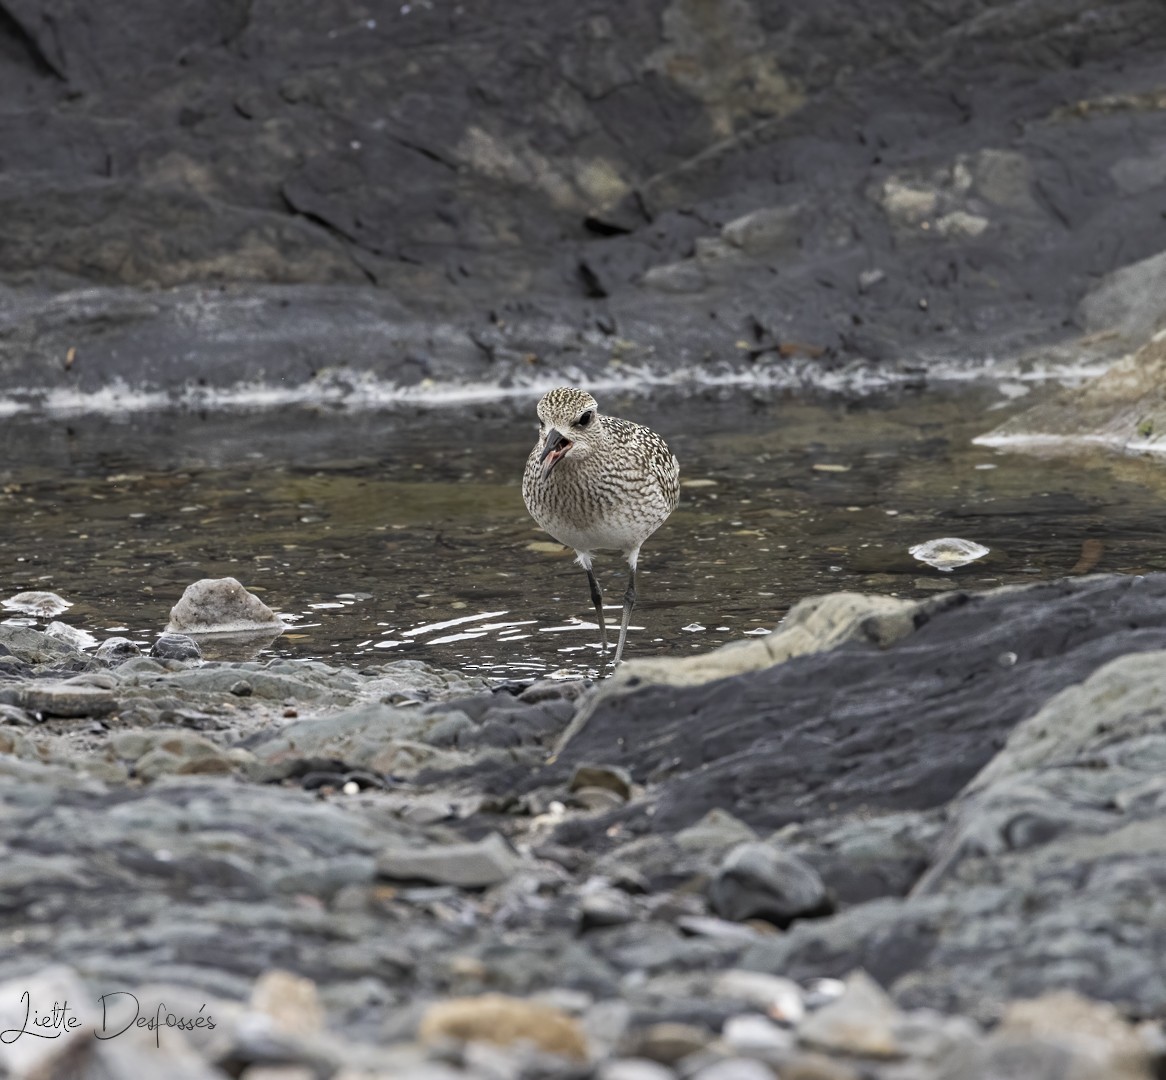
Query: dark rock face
x,y
860,728
829,184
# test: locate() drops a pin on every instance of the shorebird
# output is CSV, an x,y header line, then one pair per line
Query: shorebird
x,y
596,483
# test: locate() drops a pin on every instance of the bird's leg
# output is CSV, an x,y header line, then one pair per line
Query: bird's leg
x,y
629,602
597,600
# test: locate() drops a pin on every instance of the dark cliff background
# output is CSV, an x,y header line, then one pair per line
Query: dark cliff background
x,y
842,179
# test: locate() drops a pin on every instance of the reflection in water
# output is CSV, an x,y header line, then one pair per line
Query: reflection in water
x,y
376,538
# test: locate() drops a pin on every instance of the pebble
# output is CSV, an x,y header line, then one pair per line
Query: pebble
x,y
755,1036
735,1069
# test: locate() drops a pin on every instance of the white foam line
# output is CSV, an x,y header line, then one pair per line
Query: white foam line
x,y
429,627
359,390
1110,442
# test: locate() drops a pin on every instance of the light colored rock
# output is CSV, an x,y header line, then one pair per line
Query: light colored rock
x,y
1124,409
633,1069
960,223
505,1021
740,1068
754,1036
948,553
908,204
44,605
775,995
1120,701
812,625
67,699
291,1002
771,228
678,277
220,606
861,1022
718,830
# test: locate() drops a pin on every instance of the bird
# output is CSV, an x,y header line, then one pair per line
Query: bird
x,y
596,483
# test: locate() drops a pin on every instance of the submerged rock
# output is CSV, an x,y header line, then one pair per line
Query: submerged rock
x,y
175,647
220,606
44,605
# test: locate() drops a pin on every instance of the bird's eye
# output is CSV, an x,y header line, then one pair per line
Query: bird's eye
x,y
585,419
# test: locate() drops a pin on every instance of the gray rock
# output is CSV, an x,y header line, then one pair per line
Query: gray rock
x,y
863,1022
116,650
757,881
175,647
471,866
1131,300
66,699
740,1068
220,606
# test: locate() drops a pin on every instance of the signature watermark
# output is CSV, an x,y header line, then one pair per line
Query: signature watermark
x,y
120,1011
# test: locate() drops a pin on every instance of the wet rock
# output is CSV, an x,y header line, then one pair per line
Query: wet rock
x,y
66,699
33,647
220,606
472,866
757,881
116,650
44,605
610,777
497,1018
175,647
1124,409
71,635
862,1022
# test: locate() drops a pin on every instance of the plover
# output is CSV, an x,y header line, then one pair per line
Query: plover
x,y
596,483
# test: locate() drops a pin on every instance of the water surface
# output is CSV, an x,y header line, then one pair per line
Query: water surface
x,y
403,534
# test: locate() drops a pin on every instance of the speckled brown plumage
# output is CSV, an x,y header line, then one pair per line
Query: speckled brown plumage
x,y
597,483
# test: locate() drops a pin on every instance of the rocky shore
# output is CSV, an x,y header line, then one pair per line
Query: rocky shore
x,y
897,840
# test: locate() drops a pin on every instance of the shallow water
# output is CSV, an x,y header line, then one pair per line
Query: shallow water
x,y
403,534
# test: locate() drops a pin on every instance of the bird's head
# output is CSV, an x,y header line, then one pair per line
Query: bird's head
x,y
568,424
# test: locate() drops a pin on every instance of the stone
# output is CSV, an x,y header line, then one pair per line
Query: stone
x,y
505,1021
861,1022
1131,300
717,831
291,1002
610,777
740,1068
606,907
116,650
778,997
68,699
633,1069
44,605
1124,409
756,880
490,861
771,228
220,606
175,647
755,1036
667,1043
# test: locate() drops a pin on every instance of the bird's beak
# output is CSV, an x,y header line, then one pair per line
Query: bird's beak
x,y
554,451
